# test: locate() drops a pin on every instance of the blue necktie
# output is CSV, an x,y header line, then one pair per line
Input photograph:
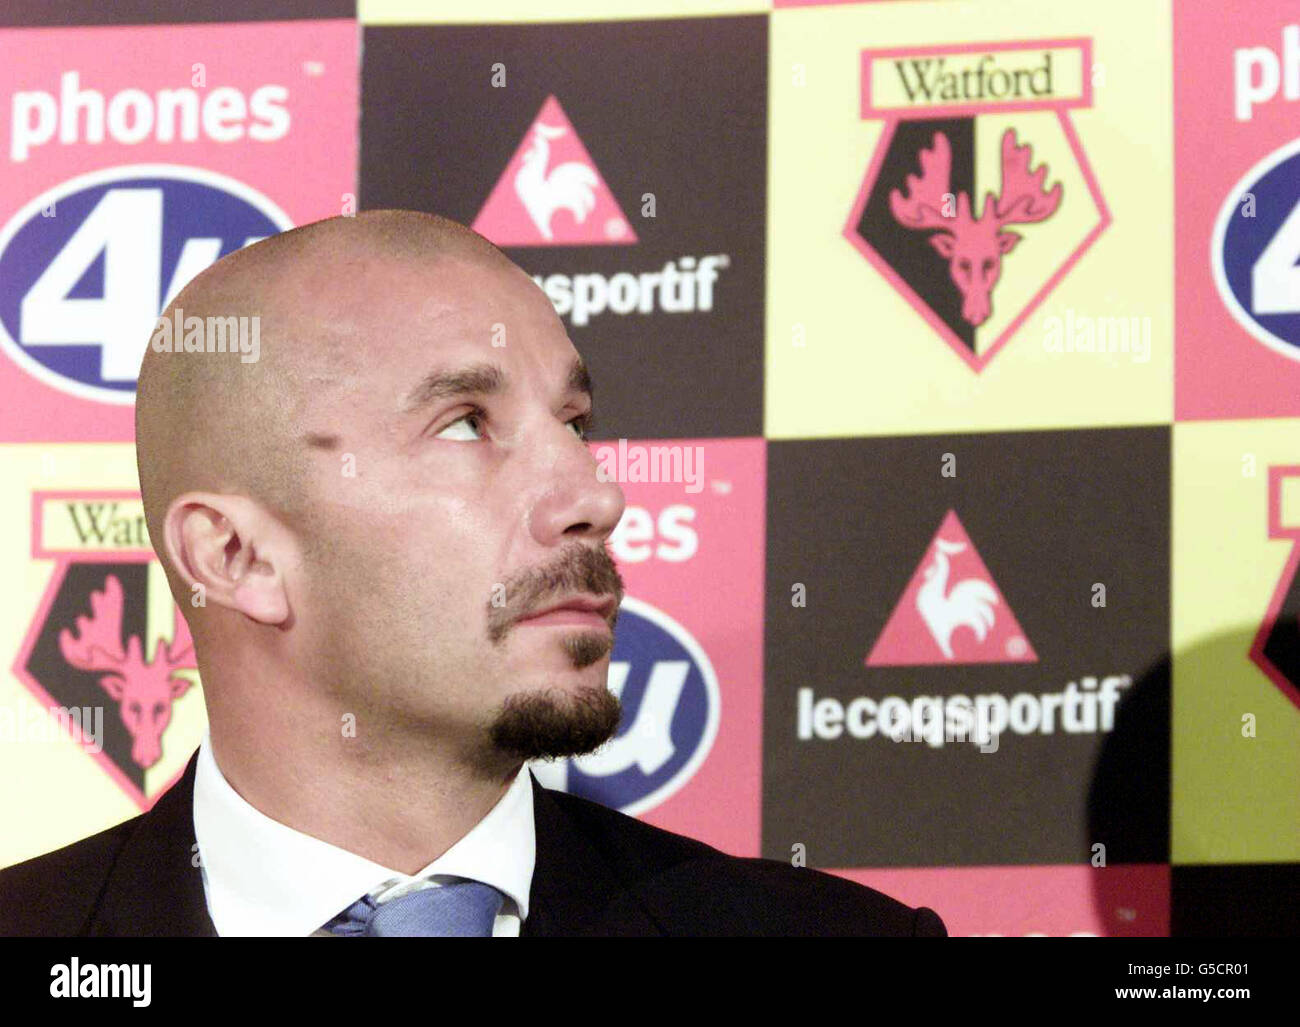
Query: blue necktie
x,y
464,909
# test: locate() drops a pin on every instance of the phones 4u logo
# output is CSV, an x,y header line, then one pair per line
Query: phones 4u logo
x,y
979,198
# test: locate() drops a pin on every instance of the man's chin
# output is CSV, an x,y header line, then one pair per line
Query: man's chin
x,y
555,722
573,650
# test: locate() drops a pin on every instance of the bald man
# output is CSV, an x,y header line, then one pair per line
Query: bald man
x,y
387,535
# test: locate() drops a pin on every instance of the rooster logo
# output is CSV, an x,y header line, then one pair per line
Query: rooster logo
x,y
951,589
551,172
569,186
969,602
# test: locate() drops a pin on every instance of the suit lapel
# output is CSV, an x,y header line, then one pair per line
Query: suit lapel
x,y
576,890
154,888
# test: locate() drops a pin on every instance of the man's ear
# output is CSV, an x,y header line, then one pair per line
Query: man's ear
x,y
234,549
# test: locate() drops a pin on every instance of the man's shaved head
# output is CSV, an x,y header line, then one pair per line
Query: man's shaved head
x,y
375,508
212,422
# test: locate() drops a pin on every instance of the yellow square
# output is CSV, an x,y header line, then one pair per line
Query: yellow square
x,y
849,350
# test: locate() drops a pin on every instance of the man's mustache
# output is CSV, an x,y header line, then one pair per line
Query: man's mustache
x,y
580,568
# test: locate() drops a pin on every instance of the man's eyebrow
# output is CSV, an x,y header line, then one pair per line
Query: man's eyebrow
x,y
579,378
483,380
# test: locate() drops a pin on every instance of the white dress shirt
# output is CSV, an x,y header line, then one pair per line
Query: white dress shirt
x,y
264,879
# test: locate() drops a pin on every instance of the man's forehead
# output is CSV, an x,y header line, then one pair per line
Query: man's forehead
x,y
384,292
411,323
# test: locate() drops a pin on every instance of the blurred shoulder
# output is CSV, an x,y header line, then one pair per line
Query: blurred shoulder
x,y
691,888
55,894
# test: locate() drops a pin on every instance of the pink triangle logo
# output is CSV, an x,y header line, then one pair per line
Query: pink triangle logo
x,y
551,194
951,611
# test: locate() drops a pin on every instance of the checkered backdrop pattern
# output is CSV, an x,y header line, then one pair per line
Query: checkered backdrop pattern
x,y
948,354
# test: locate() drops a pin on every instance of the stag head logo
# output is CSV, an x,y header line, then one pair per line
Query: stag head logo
x,y
974,246
144,690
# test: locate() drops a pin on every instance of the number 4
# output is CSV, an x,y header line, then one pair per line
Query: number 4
x,y
1275,279
126,226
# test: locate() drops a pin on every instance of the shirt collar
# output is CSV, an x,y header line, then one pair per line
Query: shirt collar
x,y
265,878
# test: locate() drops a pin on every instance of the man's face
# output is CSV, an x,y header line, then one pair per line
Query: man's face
x,y
451,497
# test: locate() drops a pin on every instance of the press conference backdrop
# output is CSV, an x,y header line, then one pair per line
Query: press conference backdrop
x,y
949,354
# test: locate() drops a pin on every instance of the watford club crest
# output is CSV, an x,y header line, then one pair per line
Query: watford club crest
x,y
107,640
1276,649
979,198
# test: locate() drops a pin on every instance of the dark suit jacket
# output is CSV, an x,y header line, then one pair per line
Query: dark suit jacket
x,y
598,873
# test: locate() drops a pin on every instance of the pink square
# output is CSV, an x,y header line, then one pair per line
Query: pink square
x,y
1238,348
135,157
689,643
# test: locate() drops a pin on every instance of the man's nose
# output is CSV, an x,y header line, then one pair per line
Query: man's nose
x,y
576,503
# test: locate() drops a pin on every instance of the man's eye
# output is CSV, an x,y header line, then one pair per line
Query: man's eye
x,y
460,433
468,427
582,425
